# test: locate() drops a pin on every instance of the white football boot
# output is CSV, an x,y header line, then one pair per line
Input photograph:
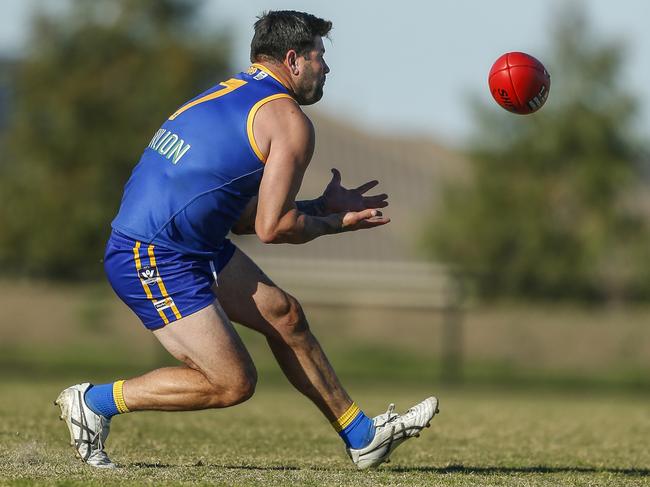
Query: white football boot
x,y
88,430
391,430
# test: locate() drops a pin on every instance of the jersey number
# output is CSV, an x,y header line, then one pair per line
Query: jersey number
x,y
229,86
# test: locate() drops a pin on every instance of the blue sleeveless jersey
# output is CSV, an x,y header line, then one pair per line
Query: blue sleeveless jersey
x,y
200,169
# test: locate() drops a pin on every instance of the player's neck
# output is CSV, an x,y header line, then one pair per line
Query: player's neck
x,y
281,73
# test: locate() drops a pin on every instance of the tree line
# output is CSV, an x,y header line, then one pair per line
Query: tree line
x,y
550,209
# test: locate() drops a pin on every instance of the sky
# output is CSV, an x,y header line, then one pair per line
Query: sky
x,y
408,66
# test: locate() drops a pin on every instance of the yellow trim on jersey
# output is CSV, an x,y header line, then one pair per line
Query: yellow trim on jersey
x,y
261,67
161,284
251,117
118,397
147,291
230,85
346,418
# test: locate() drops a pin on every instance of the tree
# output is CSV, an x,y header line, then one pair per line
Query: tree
x,y
91,92
547,212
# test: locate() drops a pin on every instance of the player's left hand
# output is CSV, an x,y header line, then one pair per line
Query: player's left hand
x,y
339,199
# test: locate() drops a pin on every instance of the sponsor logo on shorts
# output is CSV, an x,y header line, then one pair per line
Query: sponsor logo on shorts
x,y
163,303
149,274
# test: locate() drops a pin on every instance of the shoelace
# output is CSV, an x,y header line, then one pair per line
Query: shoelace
x,y
393,417
390,416
93,439
390,411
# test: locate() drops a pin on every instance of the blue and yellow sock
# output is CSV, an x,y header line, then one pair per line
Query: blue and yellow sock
x,y
106,399
356,429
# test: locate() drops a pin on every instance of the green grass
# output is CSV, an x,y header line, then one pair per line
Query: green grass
x,y
549,396
481,437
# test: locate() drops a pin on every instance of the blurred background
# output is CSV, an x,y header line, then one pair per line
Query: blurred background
x,y
518,249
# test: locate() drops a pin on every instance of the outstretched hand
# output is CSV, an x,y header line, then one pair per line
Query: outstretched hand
x,y
339,199
358,220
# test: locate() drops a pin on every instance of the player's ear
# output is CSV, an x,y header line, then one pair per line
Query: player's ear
x,y
291,60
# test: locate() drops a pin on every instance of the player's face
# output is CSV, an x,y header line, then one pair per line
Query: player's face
x,y
309,88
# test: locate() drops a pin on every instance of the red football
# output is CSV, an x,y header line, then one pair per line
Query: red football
x,y
519,83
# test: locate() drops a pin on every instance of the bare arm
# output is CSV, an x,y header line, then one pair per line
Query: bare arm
x,y
246,223
290,147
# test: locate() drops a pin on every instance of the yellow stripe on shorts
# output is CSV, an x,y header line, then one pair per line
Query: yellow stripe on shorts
x,y
161,284
147,291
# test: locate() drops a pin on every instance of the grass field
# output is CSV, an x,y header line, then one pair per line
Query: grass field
x,y
550,396
481,437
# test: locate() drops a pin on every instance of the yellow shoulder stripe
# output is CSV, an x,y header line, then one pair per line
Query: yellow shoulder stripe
x,y
251,117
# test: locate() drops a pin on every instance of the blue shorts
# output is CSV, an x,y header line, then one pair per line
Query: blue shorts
x,y
161,285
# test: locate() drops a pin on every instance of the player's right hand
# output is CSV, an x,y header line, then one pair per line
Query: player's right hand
x,y
358,220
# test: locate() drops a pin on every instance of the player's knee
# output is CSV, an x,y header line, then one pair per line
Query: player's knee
x,y
237,388
289,317
241,387
234,388
249,383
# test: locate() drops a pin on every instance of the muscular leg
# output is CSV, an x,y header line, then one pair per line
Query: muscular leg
x,y
218,372
249,297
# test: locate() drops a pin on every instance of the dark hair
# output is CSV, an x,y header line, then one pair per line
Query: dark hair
x,y
279,31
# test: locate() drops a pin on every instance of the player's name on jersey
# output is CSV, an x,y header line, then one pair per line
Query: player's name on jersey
x,y
169,145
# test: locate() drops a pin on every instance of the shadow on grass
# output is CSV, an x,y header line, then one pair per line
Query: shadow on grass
x,y
459,469
225,467
488,470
